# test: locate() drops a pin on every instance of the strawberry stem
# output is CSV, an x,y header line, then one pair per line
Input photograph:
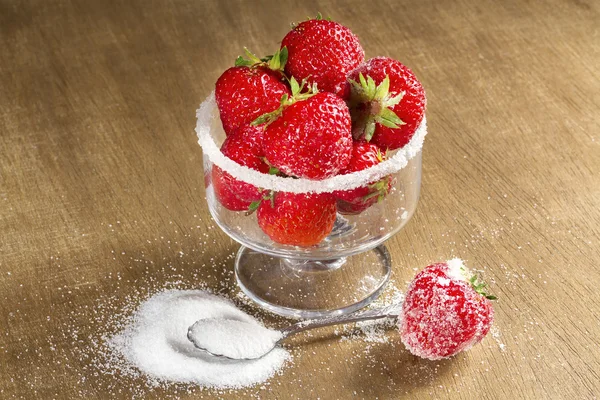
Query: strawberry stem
x,y
253,207
255,204
379,189
379,103
275,62
297,95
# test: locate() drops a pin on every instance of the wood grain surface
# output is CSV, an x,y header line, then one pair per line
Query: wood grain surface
x,y
102,197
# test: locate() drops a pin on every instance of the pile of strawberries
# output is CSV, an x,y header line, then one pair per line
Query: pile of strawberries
x,y
313,110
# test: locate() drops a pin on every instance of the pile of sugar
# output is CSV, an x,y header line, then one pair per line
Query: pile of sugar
x,y
155,342
233,338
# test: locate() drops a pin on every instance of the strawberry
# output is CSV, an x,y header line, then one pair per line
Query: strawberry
x,y
243,146
355,201
387,102
310,138
297,219
323,52
250,89
445,311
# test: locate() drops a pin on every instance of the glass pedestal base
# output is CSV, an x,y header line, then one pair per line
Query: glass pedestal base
x,y
312,289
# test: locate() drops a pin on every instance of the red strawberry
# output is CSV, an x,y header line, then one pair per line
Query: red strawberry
x,y
311,138
243,93
243,146
388,102
355,201
323,52
297,219
445,311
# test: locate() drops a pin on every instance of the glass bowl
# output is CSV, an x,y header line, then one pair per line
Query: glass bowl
x,y
345,271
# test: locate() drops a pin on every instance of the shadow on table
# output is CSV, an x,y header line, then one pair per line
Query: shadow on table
x,y
394,371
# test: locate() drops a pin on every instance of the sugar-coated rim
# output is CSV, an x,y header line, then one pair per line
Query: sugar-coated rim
x,y
205,114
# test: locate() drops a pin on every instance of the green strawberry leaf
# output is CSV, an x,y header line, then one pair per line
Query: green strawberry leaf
x,y
294,86
355,85
314,89
271,198
251,56
370,195
358,93
286,100
479,287
273,170
378,189
283,56
297,89
261,119
385,122
369,129
254,205
319,17
274,63
377,101
367,89
363,82
392,101
383,89
269,117
371,87
242,62
277,61
388,118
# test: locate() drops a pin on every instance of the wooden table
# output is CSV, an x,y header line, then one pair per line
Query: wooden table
x,y
102,197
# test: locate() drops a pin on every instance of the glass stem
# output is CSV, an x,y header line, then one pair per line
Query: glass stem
x,y
312,265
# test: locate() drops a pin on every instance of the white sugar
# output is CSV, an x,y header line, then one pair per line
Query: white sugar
x,y
155,342
375,331
233,338
207,115
457,269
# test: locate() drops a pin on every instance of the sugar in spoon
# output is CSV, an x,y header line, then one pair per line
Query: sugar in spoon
x,y
242,340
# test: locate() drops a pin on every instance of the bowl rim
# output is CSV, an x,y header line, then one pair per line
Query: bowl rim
x,y
205,118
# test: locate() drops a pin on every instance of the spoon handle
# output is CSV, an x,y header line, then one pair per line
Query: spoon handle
x,y
392,311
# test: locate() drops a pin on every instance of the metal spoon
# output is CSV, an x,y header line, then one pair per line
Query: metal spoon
x,y
214,344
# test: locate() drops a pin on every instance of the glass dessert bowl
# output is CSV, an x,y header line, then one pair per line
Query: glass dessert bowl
x,y
349,267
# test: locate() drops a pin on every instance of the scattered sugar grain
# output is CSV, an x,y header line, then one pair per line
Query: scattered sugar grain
x,y
375,331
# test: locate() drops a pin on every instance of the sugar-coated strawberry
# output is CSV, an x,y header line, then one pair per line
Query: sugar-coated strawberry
x,y
387,101
243,146
297,219
445,311
323,52
355,201
243,93
311,138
